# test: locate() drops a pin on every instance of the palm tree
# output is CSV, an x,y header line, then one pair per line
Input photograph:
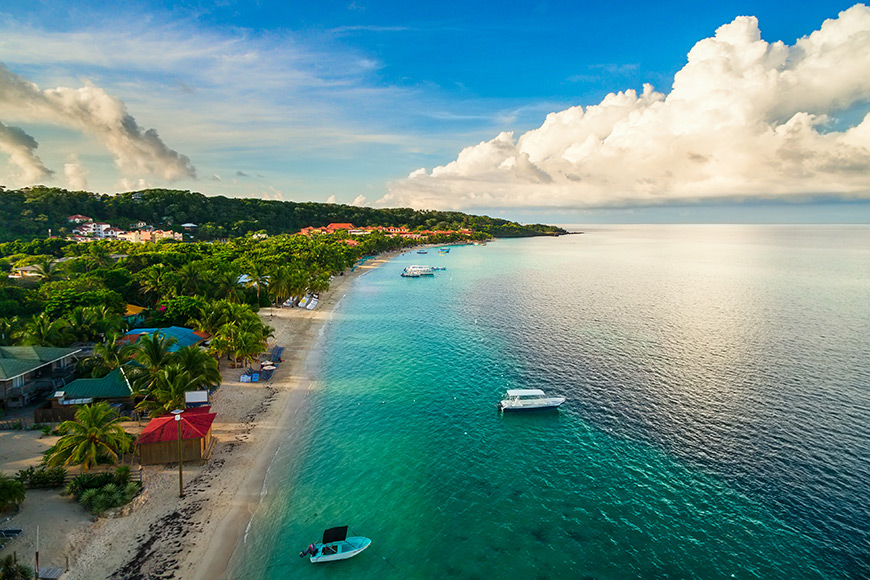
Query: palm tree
x,y
11,492
157,281
225,282
98,256
81,324
152,352
202,367
108,322
10,569
43,330
191,276
257,277
109,355
170,385
210,319
281,284
9,328
94,435
48,270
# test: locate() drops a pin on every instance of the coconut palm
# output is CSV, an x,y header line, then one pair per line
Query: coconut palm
x,y
108,322
191,278
258,277
93,436
11,569
109,355
157,281
210,319
202,367
82,324
152,352
44,330
11,492
48,270
9,328
225,284
286,281
98,256
167,392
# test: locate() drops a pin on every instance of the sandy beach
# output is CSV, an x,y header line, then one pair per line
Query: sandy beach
x,y
161,535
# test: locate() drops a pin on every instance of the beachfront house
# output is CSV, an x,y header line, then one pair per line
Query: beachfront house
x,y
183,336
114,389
158,442
27,372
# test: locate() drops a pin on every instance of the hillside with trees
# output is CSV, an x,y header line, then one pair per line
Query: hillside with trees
x,y
29,213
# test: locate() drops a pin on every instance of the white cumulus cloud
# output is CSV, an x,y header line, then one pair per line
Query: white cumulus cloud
x,y
21,149
744,118
359,201
91,110
76,174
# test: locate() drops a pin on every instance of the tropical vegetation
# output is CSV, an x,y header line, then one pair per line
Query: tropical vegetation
x,y
12,569
99,492
31,212
93,437
11,493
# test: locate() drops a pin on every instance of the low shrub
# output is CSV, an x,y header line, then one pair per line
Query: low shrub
x,y
41,477
111,495
99,492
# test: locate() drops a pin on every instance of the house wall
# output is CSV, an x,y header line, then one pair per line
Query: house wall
x,y
167,451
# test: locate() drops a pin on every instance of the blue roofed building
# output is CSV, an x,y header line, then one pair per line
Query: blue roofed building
x,y
184,337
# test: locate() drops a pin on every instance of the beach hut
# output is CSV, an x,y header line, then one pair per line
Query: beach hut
x,y
158,442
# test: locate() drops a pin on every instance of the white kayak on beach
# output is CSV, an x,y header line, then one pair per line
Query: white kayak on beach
x,y
336,545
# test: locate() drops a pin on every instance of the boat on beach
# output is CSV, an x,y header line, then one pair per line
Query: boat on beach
x,y
528,400
422,251
336,545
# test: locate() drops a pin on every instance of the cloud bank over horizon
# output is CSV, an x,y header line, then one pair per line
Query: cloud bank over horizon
x,y
745,119
95,113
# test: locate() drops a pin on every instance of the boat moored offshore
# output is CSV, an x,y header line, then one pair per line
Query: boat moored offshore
x,y
528,400
417,271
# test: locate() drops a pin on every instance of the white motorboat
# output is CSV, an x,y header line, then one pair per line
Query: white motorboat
x,y
336,545
417,271
528,400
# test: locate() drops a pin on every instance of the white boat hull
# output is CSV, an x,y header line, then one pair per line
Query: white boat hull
x,y
538,404
347,548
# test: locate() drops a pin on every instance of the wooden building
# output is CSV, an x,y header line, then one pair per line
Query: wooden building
x,y
158,442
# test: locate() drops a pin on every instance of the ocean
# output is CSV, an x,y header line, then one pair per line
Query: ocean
x,y
717,422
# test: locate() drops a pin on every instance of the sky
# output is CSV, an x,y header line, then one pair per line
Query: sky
x,y
558,112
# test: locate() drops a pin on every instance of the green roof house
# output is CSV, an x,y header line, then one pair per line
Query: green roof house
x,y
114,388
26,372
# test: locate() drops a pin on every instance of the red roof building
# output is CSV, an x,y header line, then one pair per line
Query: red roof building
x,y
335,227
158,442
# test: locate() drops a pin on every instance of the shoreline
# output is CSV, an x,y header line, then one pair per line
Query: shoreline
x,y
198,537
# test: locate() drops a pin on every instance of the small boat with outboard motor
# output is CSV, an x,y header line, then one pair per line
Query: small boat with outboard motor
x,y
336,545
528,400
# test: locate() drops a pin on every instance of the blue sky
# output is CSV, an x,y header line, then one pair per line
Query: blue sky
x,y
341,101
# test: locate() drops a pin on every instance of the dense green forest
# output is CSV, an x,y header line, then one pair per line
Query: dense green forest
x,y
30,213
109,274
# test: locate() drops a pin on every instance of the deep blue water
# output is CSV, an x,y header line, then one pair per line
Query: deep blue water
x,y
718,384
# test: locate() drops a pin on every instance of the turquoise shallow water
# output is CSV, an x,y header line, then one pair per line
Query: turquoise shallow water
x,y
716,424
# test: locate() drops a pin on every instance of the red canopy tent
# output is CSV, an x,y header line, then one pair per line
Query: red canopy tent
x,y
158,442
